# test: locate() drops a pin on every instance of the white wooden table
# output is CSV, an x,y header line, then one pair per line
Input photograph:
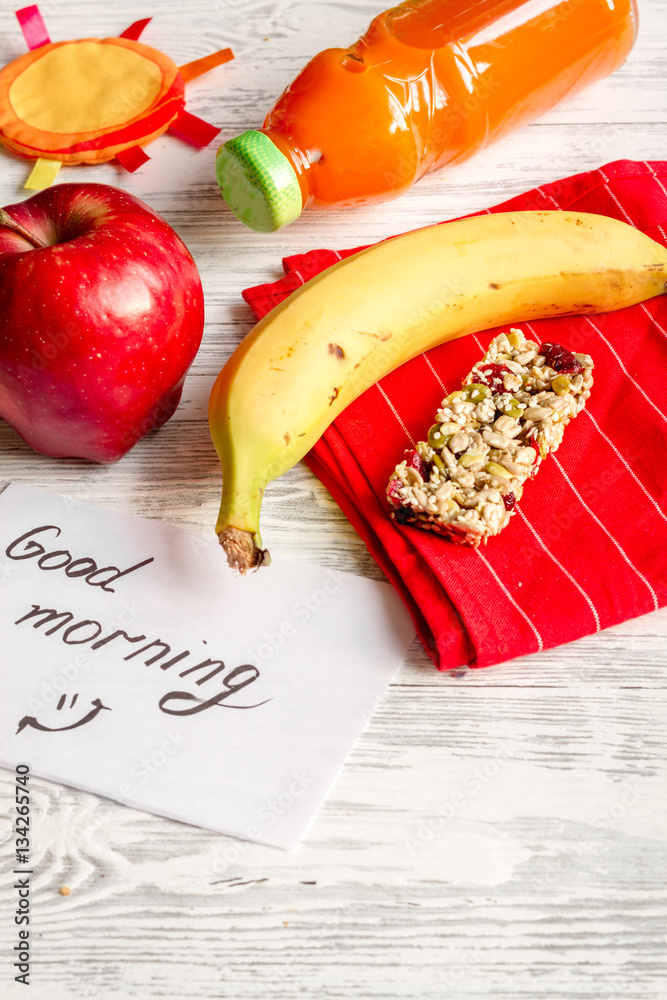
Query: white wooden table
x,y
499,835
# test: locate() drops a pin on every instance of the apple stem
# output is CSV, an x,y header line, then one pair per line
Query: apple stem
x,y
6,220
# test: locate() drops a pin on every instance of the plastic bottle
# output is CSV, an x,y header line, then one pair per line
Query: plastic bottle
x,y
430,83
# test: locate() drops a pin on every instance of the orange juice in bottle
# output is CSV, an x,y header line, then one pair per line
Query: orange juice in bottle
x,y
430,83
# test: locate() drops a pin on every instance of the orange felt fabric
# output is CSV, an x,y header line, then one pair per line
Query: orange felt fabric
x,y
192,70
87,100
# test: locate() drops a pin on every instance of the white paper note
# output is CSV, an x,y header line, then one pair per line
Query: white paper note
x,y
136,665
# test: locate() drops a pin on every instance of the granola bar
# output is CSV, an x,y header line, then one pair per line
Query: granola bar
x,y
489,438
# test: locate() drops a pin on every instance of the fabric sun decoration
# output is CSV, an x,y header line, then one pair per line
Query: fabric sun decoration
x,y
94,100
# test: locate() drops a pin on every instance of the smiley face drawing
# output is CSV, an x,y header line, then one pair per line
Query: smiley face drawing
x,y
29,721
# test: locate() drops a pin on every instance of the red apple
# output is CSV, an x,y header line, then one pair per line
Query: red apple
x,y
101,315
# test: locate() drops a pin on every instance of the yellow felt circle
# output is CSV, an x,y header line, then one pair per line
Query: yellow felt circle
x,y
85,86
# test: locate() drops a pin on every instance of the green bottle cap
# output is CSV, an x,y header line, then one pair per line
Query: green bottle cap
x,y
258,182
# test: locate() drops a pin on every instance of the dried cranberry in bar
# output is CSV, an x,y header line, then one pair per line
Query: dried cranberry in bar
x,y
499,378
560,359
489,439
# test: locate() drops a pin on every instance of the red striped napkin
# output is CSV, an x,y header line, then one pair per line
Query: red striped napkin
x,y
586,549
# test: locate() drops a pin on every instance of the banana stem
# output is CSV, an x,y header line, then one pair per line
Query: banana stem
x,y
241,549
238,526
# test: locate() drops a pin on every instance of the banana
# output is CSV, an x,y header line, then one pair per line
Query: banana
x,y
348,327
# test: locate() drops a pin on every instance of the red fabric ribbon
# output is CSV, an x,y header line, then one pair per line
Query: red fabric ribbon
x,y
135,30
194,130
133,158
33,27
587,547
